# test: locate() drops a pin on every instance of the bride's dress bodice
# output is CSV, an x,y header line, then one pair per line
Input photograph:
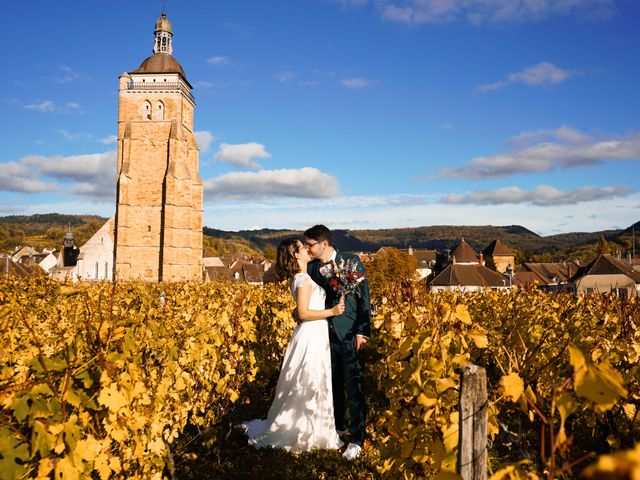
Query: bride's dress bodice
x,y
318,296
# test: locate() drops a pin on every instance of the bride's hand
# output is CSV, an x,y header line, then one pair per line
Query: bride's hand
x,y
338,309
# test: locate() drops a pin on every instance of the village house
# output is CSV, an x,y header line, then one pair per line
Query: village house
x,y
500,255
30,256
466,272
11,269
606,274
550,276
231,267
93,260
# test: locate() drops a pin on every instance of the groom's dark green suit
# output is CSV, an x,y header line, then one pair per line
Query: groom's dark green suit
x,y
347,369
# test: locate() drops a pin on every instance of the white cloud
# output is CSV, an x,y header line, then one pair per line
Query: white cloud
x,y
243,154
564,133
92,174
301,183
543,74
49,106
203,84
42,106
285,77
357,83
74,137
567,148
109,140
219,61
418,12
204,140
67,75
18,177
541,195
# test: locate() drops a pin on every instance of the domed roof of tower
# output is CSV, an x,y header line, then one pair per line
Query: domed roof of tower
x,y
160,63
163,24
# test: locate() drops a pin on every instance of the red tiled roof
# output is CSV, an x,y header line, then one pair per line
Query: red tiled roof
x,y
463,252
497,248
528,278
19,270
552,272
218,273
468,276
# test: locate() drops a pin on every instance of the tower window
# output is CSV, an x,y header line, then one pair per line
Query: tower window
x,y
147,110
149,228
160,114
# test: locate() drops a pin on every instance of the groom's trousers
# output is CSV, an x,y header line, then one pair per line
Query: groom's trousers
x,y
347,375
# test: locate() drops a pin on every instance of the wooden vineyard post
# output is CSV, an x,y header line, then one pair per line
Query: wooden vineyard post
x,y
472,433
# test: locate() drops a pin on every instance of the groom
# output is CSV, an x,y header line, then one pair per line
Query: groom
x,y
348,335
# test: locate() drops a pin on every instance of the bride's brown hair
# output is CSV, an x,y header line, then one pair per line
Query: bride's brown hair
x,y
286,261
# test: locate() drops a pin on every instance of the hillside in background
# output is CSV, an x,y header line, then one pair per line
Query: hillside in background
x,y
47,230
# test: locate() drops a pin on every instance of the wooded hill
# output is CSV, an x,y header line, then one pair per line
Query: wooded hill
x,y
47,230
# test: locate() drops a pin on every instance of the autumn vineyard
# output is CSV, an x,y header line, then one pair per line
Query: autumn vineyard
x,y
138,380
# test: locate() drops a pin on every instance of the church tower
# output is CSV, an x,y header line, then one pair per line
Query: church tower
x,y
158,230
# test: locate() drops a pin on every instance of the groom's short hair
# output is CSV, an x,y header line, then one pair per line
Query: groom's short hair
x,y
319,233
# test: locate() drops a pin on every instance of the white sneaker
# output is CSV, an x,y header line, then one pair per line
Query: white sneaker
x,y
352,452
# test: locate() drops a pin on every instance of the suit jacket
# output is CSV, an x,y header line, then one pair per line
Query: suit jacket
x,y
356,319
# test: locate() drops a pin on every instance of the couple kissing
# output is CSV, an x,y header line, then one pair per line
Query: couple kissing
x,y
320,393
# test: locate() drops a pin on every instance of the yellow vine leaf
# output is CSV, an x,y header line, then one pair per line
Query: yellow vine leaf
x,y
12,450
450,437
156,446
600,384
112,398
512,386
625,464
66,470
45,467
426,401
479,338
101,465
462,314
514,472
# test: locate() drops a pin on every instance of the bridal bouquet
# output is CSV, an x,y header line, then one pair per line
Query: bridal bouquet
x,y
344,277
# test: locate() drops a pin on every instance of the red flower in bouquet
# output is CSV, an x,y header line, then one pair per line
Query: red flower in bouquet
x,y
344,277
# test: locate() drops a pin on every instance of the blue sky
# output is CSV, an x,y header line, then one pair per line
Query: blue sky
x,y
354,113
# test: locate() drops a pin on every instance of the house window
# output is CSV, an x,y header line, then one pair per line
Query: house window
x,y
619,292
96,277
106,270
589,290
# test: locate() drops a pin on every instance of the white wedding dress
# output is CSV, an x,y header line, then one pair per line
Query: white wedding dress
x,y
301,415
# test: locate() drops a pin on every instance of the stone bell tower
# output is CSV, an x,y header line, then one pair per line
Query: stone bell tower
x,y
158,224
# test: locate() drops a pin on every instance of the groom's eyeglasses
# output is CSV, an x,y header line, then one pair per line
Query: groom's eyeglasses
x,y
310,245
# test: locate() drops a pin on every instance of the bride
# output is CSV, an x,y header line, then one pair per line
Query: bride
x,y
301,415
